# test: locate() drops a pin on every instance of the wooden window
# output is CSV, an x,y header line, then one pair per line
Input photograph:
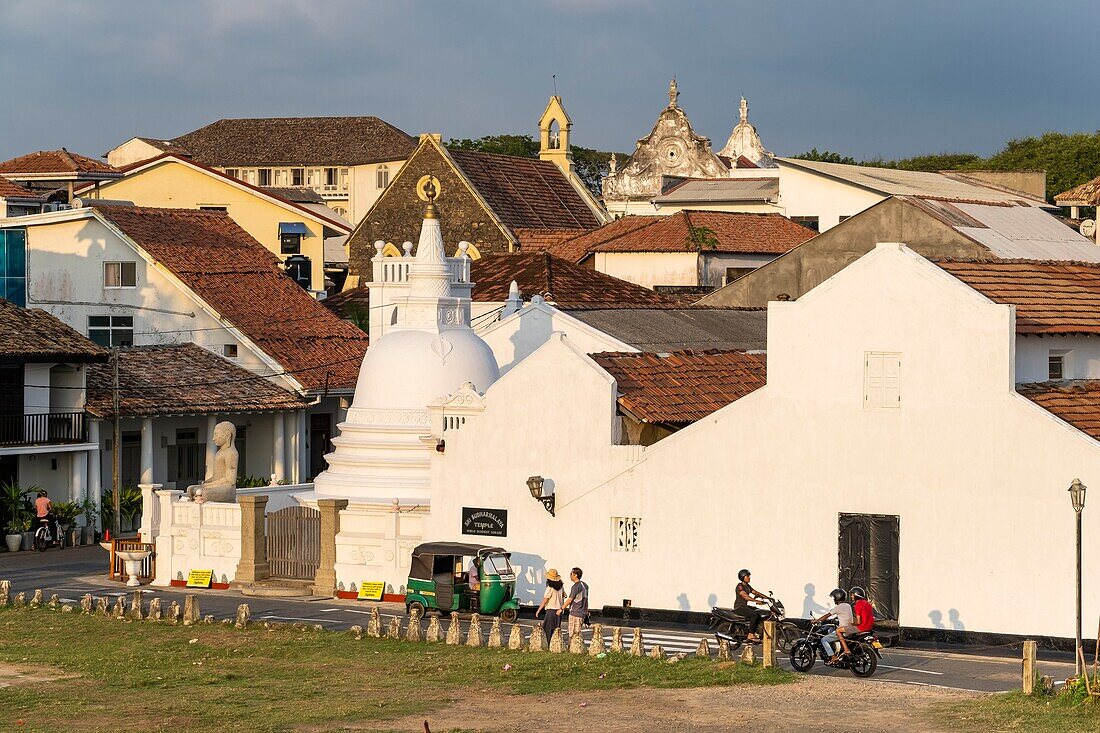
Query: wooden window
x,y
111,330
330,177
119,274
382,177
229,350
1056,367
233,173
264,178
297,177
882,380
626,534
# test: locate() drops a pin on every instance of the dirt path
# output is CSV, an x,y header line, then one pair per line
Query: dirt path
x,y
19,675
814,703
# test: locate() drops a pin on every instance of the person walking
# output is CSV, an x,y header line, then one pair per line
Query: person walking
x,y
552,601
576,603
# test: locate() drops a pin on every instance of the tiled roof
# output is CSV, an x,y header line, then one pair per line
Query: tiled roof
x,y
717,190
54,161
1087,194
297,195
560,282
32,335
547,240
1078,402
242,281
684,386
680,328
297,141
525,192
9,190
1051,297
349,302
733,232
182,379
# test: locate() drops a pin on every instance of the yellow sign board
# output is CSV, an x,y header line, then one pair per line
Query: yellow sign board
x,y
200,578
371,591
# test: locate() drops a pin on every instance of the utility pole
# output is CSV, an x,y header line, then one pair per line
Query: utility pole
x,y
116,454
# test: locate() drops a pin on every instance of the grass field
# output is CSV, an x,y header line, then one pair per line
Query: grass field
x,y
1015,712
152,676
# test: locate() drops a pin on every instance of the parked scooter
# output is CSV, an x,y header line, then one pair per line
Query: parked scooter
x,y
862,658
732,628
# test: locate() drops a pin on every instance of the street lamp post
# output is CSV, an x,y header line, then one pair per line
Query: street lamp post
x,y
1077,496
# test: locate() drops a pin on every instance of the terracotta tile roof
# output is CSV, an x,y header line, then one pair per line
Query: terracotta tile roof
x,y
733,232
296,195
182,379
525,192
681,387
346,303
1087,194
1078,402
242,281
9,190
1051,297
54,161
558,281
297,141
678,329
546,240
32,335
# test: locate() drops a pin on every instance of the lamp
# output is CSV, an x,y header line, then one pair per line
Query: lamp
x,y
1077,497
535,484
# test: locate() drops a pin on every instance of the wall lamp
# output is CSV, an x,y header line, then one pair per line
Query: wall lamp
x,y
535,484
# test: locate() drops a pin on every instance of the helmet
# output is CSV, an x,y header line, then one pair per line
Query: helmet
x,y
838,595
857,592
742,574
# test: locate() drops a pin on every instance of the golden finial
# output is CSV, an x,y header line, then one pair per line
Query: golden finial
x,y
430,212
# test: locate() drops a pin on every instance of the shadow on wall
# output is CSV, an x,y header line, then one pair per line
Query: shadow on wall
x,y
530,577
936,618
534,331
810,607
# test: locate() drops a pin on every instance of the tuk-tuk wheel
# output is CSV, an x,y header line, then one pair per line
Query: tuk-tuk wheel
x,y
508,615
418,606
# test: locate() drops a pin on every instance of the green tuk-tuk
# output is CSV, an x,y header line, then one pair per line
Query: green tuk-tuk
x,y
439,580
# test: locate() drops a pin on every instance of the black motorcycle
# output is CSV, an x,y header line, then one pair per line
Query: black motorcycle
x,y
862,658
732,628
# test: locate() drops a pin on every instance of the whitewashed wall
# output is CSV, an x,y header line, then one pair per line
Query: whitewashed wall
x,y
650,268
1081,355
807,194
190,536
977,474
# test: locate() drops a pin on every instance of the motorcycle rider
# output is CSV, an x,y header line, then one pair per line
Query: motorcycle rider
x,y
745,593
845,619
861,607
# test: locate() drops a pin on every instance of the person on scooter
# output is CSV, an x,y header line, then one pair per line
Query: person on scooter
x,y
746,594
844,615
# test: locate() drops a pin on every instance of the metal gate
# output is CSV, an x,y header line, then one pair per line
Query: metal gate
x,y
294,542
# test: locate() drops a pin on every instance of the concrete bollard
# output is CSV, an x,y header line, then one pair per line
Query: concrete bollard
x,y
154,609
86,603
1031,649
19,601
54,602
36,599
454,631
515,638
191,612
413,632
102,607
244,616
173,612
703,650
616,640
119,610
137,611
209,619
394,631
576,644
637,646
747,655
596,646
768,652
356,632
494,634
473,634
66,608
5,593
657,652
536,642
724,650
677,658
557,642
374,626
433,634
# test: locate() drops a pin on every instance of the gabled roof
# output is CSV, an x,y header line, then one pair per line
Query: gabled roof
x,y
1087,194
241,280
10,190
560,282
296,194
680,328
59,164
681,387
733,232
1050,297
29,335
718,190
182,379
1076,402
525,192
545,240
297,141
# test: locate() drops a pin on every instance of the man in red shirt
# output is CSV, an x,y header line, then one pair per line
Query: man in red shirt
x,y
865,615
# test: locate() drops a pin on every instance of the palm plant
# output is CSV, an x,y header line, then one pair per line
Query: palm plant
x,y
14,501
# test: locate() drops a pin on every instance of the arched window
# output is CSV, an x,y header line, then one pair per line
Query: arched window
x,y
382,177
390,250
341,211
555,135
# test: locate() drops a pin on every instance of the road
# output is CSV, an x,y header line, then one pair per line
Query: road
x,y
73,572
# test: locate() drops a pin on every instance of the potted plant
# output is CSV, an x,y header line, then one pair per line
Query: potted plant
x,y
12,537
13,503
130,501
66,513
26,521
107,510
88,530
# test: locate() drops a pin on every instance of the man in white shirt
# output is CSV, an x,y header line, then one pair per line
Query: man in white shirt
x,y
845,619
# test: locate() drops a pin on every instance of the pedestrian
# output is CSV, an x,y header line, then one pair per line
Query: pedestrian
x,y
552,602
576,603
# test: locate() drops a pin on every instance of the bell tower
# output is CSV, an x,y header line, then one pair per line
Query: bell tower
x,y
554,128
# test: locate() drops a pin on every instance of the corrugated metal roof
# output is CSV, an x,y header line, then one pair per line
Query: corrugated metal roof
x,y
676,329
722,189
1026,232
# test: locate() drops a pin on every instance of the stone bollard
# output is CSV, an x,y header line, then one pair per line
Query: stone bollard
x,y
703,650
747,656
86,603
5,593
54,601
637,646
374,626
433,634
616,640
36,599
154,609
191,612
209,619
244,616
515,638
66,608
596,646
173,612
557,642
119,609
454,632
394,630
724,650
137,606
494,634
576,644
101,606
677,658
1030,650
356,632
413,632
473,634
227,622
656,652
536,642
20,600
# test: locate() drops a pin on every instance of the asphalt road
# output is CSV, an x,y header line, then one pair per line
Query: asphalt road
x,y
73,572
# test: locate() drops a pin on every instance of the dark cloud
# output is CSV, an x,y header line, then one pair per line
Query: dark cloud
x,y
888,78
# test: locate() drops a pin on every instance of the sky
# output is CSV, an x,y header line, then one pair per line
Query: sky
x,y
878,78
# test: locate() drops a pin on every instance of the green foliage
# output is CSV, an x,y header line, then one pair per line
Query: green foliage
x,y
826,156
88,507
66,512
252,482
700,238
1018,712
360,316
16,505
107,509
129,502
932,163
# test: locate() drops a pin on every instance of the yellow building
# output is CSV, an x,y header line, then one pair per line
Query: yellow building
x,y
290,229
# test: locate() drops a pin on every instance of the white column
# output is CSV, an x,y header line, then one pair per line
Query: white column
x,y
342,412
290,448
303,448
146,450
211,449
95,465
278,448
78,475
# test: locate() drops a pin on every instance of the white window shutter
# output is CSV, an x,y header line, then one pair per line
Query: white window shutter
x,y
891,396
873,380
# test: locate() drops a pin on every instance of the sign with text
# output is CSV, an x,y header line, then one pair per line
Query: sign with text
x,y
200,578
485,522
371,591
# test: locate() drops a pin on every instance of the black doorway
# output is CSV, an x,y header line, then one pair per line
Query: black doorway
x,y
869,549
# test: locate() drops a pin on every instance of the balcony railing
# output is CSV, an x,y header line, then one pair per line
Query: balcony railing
x,y
47,428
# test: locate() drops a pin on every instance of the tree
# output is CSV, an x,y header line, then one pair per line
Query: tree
x,y
700,238
826,156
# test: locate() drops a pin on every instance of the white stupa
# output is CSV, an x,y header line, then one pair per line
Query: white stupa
x,y
744,142
428,353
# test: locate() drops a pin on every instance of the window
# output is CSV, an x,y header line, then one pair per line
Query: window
x,y
13,266
229,350
340,211
265,177
882,380
290,243
382,177
330,176
111,330
297,177
1056,367
625,534
232,172
119,274
810,222
732,273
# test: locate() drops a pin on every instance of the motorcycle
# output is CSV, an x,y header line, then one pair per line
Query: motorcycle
x,y
732,628
862,659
